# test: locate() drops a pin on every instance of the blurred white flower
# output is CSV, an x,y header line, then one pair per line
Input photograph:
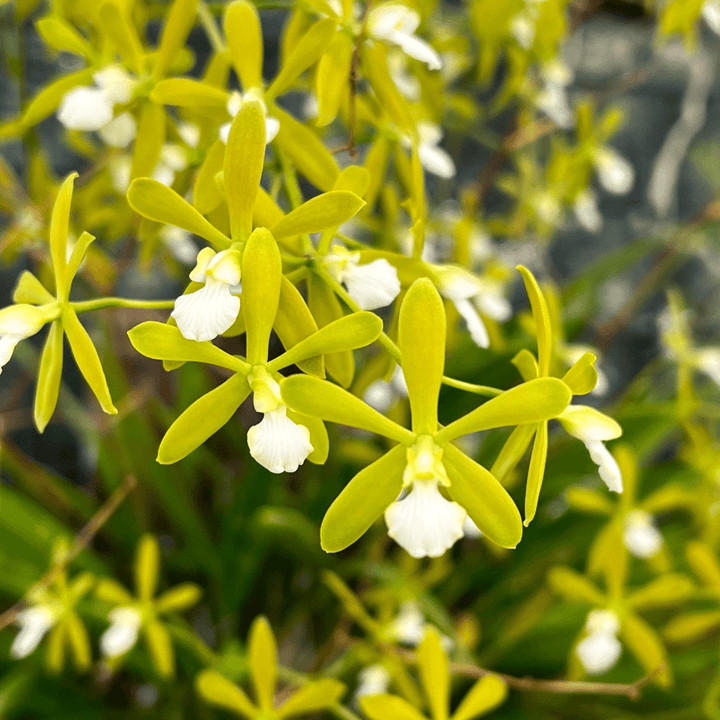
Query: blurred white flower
x,y
553,98
587,211
121,636
173,159
179,242
372,680
711,14
396,24
34,623
615,172
90,108
435,159
640,536
120,131
600,649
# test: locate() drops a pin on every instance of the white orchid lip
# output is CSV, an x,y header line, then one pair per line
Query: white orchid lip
x,y
422,521
396,24
34,623
615,172
204,314
600,649
277,443
123,632
20,321
640,536
372,285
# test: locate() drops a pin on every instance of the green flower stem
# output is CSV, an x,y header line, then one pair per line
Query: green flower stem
x,y
392,348
471,387
207,20
102,303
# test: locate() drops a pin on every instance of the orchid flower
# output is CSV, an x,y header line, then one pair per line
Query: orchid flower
x,y
396,24
424,486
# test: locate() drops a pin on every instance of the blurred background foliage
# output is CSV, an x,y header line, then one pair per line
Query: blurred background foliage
x,y
641,285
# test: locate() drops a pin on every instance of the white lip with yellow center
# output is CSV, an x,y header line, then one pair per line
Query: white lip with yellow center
x,y
423,522
277,443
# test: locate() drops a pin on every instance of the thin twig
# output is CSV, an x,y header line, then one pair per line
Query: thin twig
x,y
566,687
82,540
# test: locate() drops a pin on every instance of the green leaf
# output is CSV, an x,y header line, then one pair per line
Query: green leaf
x,y
534,401
59,227
242,170
328,210
512,451
202,419
574,587
305,53
179,598
326,308
180,21
645,644
87,359
160,203
665,591
217,690
147,567
49,376
161,649
364,499
29,290
485,695
332,78
206,100
582,377
312,697
689,627
294,322
261,276
347,333
421,338
542,320
319,398
262,654
433,666
243,33
536,471
486,501
165,342
384,707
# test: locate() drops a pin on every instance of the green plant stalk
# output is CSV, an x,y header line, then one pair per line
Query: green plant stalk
x,y
83,306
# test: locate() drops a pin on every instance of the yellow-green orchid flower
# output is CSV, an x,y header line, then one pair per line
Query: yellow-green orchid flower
x,y
405,483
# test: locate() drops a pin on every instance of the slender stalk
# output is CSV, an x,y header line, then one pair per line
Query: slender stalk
x,y
102,303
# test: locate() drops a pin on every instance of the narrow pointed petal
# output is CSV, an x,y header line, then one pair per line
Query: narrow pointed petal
x,y
421,338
